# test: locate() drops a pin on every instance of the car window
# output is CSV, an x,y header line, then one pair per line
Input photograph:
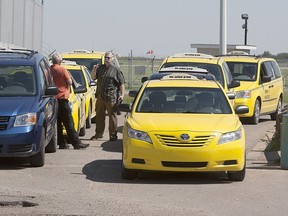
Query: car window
x,y
227,72
78,76
269,69
88,75
17,80
276,69
89,63
46,70
212,68
243,71
183,100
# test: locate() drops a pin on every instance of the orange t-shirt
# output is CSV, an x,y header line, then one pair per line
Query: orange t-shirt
x,y
60,76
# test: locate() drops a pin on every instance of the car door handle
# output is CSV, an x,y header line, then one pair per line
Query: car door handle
x,y
271,86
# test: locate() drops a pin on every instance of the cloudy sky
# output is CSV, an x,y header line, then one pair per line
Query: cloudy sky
x,y
164,26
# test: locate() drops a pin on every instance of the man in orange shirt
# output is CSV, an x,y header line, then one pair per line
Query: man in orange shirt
x,y
62,80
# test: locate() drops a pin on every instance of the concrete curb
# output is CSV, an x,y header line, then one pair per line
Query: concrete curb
x,y
258,157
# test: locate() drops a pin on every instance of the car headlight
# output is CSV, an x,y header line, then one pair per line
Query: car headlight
x,y
25,120
140,135
243,94
230,136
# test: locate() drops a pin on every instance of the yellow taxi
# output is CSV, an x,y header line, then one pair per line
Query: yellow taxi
x,y
215,65
182,122
261,86
82,76
77,106
87,58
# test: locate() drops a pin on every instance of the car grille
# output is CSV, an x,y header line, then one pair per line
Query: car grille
x,y
4,120
17,148
196,141
184,164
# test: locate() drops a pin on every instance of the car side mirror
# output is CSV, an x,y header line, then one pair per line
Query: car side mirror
x,y
265,79
51,90
80,89
124,107
144,79
133,93
242,109
234,84
231,95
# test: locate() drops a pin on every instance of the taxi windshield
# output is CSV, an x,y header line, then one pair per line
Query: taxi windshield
x,y
243,71
183,100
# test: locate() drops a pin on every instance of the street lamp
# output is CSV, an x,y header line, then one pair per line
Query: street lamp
x,y
244,26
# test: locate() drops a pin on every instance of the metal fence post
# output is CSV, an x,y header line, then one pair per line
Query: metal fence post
x,y
284,142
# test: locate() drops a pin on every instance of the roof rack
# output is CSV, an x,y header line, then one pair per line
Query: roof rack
x,y
189,55
27,52
237,53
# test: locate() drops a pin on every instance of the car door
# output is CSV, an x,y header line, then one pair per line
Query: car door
x,y
93,87
268,93
49,103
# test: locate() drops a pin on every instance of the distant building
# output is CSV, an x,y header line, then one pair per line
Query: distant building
x,y
21,23
214,49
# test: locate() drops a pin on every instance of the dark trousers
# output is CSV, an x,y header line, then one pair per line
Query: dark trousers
x,y
65,117
101,107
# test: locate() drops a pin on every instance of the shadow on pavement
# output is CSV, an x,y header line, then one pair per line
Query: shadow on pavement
x,y
109,171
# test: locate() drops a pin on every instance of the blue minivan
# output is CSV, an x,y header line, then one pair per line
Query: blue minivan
x,y
28,113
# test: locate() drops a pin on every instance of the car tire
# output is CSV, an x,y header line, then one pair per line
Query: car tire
x,y
278,110
237,175
82,130
127,173
52,145
38,160
256,115
88,120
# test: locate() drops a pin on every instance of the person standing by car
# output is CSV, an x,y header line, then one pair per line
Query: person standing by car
x,y
63,81
110,92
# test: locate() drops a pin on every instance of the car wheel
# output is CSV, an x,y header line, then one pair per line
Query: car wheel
x,y
256,116
127,173
88,120
52,145
237,175
278,110
82,130
38,160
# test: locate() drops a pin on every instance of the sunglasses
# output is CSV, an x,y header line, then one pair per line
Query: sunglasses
x,y
107,57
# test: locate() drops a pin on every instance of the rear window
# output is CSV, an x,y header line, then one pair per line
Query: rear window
x,y
212,68
89,63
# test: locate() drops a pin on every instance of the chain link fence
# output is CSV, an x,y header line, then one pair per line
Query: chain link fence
x,y
134,68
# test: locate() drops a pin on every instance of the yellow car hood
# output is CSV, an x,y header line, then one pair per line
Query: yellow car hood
x,y
172,122
245,86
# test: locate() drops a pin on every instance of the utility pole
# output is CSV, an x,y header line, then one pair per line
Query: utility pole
x,y
223,31
245,26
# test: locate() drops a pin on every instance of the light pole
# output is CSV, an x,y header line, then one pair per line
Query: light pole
x,y
245,26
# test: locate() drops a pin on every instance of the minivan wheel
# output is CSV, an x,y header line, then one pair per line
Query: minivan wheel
x,y
278,110
52,145
256,116
38,160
